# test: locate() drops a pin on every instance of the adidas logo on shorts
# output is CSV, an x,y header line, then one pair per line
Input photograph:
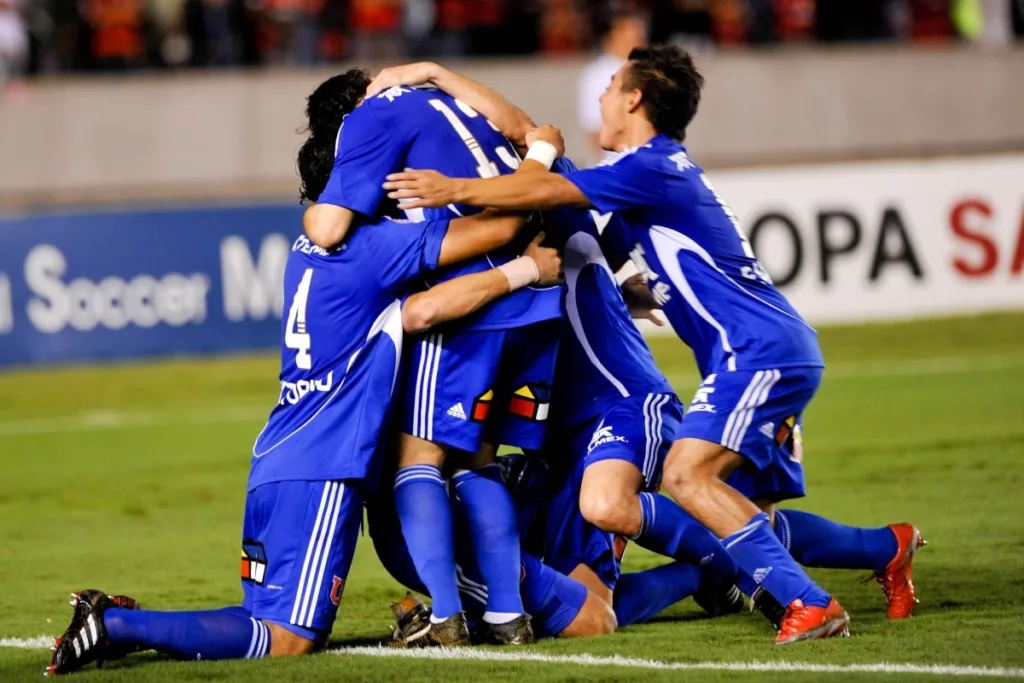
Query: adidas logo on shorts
x,y
457,411
768,429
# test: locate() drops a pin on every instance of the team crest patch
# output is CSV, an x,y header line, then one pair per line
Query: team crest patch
x,y
337,588
789,436
482,406
531,401
254,561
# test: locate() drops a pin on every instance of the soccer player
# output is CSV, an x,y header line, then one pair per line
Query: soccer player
x,y
616,414
760,361
468,388
341,345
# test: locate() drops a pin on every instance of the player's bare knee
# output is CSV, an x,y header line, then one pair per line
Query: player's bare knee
x,y
595,618
611,511
284,643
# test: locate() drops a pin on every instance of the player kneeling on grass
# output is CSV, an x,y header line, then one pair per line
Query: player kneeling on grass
x,y
341,345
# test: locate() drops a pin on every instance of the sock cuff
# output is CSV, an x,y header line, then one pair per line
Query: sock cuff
x,y
648,513
418,473
259,646
491,472
756,522
782,527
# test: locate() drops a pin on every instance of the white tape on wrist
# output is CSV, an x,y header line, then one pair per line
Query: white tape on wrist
x,y
520,272
544,152
627,271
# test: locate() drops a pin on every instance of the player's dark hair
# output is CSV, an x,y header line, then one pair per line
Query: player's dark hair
x,y
326,108
670,85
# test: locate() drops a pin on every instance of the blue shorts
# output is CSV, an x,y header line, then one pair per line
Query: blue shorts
x,y
552,599
491,386
298,539
757,414
639,430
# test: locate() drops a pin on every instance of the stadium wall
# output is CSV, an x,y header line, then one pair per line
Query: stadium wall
x,y
234,134
846,242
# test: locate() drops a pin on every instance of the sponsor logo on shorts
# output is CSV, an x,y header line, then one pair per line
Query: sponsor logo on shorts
x,y
457,411
254,561
603,435
768,429
531,401
701,402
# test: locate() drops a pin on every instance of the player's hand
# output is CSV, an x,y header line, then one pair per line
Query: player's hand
x,y
549,262
418,73
640,300
547,133
415,189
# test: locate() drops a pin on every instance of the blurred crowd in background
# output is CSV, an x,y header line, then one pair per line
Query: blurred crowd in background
x,y
47,36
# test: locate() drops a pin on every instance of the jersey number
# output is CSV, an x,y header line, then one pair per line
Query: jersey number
x,y
755,271
295,335
485,168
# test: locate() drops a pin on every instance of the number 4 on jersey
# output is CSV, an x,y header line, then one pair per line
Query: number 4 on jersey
x,y
295,335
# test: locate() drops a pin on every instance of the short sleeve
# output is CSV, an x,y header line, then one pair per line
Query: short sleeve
x,y
401,251
366,153
627,182
616,241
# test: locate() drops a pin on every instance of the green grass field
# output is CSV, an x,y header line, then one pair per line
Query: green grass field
x,y
131,479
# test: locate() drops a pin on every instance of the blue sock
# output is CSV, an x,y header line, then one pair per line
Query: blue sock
x,y
426,516
491,519
758,552
746,584
814,541
640,596
669,530
229,633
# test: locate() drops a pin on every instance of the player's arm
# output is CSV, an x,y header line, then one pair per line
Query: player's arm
x,y
467,294
526,189
327,224
510,120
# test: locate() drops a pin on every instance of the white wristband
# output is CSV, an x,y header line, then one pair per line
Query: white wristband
x,y
520,272
627,271
544,152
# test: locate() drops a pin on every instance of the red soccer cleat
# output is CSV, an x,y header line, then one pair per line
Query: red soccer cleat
x,y
897,579
811,623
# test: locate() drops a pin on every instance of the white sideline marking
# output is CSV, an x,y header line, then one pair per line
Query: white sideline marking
x,y
102,420
464,654
36,643
474,655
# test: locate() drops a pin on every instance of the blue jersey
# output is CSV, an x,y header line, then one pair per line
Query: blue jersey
x,y
602,357
428,129
697,262
340,350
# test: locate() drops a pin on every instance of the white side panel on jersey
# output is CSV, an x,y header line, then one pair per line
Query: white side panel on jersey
x,y
390,323
582,250
689,245
667,247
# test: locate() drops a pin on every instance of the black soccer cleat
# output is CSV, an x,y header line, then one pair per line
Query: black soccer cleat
x,y
452,632
763,602
85,640
718,599
515,632
412,619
